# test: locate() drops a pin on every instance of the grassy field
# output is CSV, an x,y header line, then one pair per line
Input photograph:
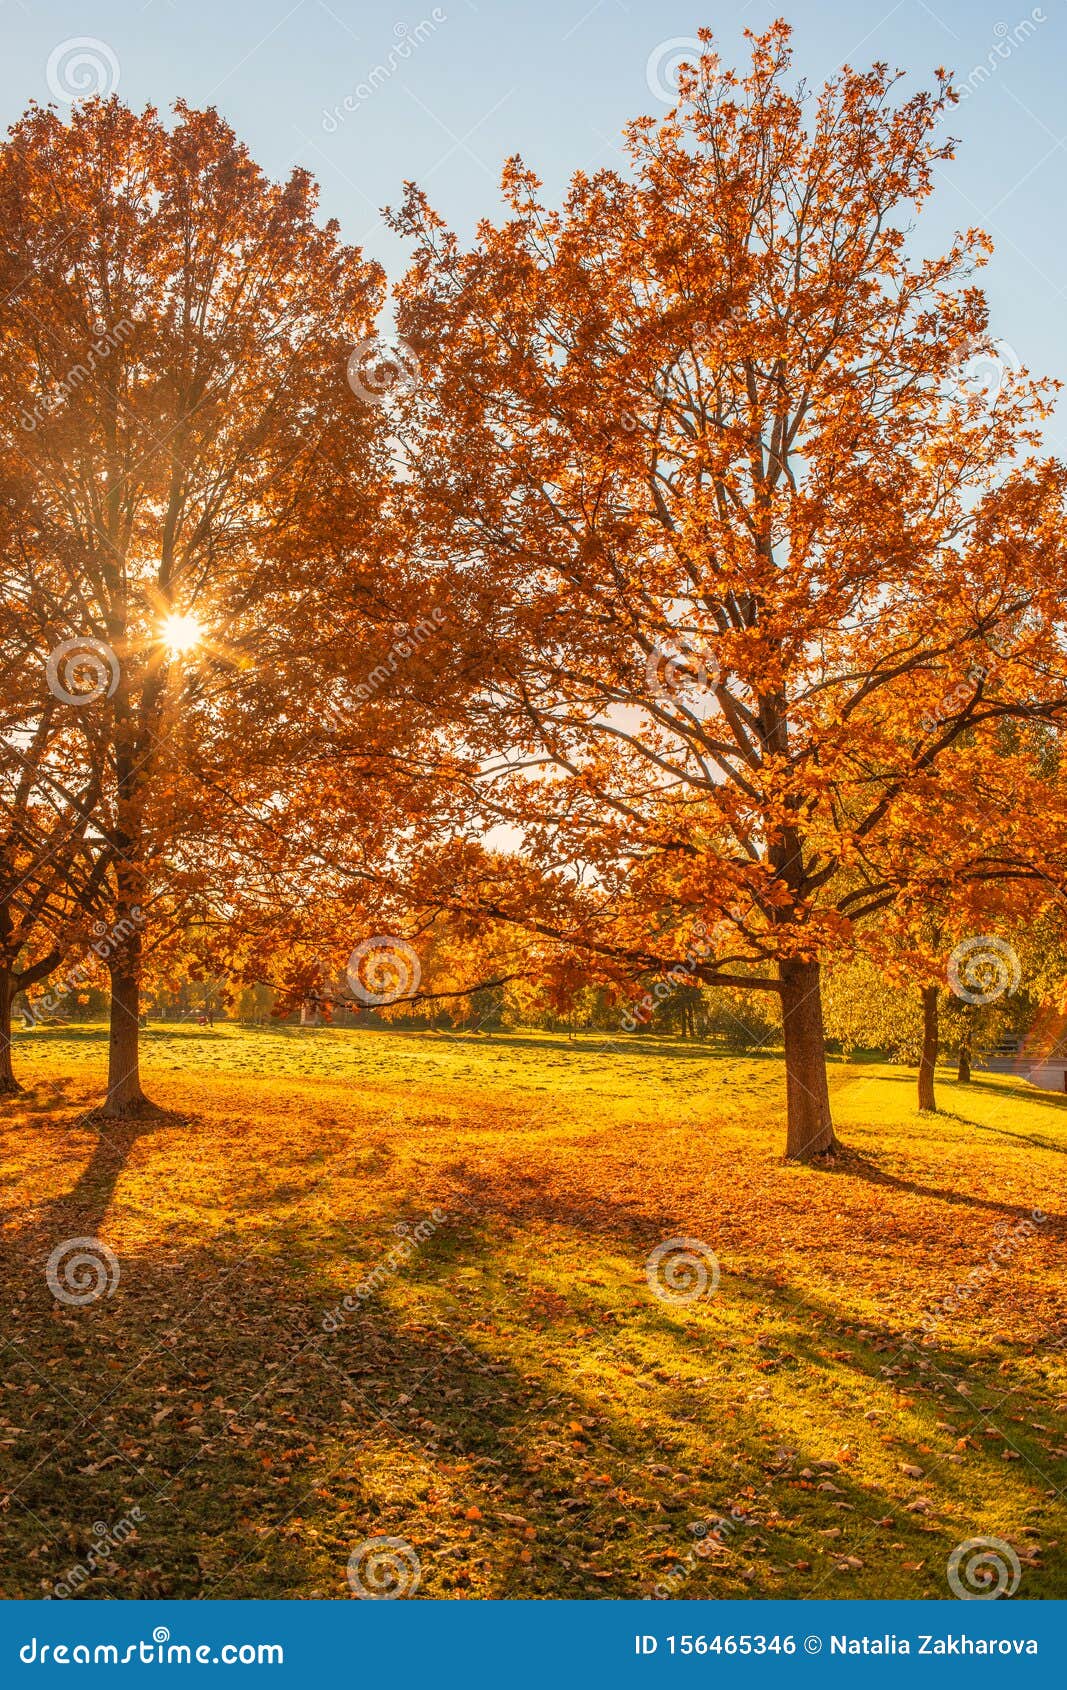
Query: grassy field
x,y
511,1396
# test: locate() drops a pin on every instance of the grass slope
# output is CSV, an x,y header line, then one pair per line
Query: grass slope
x,y
514,1401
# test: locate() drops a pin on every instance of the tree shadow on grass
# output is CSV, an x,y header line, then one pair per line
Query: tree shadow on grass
x,y
1033,1095
81,1211
1022,1138
862,1167
40,1097
261,1450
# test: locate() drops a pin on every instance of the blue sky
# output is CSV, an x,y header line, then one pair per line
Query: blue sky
x,y
467,82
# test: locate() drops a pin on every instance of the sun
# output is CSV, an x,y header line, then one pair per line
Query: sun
x,y
180,633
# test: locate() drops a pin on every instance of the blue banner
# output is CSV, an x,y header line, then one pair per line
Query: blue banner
x,y
531,1643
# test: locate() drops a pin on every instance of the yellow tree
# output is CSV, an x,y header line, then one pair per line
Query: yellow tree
x,y
172,369
748,547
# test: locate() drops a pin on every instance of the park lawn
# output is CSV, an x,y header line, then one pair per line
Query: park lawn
x,y
514,1401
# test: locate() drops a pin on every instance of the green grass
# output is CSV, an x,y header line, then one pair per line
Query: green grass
x,y
514,1401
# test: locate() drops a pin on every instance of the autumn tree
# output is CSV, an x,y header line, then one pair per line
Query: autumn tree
x,y
173,376
749,512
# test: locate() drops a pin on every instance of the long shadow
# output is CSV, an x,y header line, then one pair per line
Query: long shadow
x,y
1022,1138
1015,1086
258,1448
590,1045
861,1168
261,1448
1032,1094
81,1210
41,1097
528,1197
71,1032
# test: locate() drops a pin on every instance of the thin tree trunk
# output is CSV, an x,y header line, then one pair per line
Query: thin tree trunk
x,y
928,1059
809,1125
8,1083
963,1072
12,982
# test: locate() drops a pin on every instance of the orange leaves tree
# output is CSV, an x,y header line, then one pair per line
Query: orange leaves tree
x,y
172,371
757,547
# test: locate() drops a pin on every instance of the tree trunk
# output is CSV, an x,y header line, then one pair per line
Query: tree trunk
x,y
963,1072
8,1083
928,1059
124,1094
12,982
809,1126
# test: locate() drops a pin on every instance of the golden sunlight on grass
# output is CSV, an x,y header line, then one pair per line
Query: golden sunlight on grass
x,y
510,1396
